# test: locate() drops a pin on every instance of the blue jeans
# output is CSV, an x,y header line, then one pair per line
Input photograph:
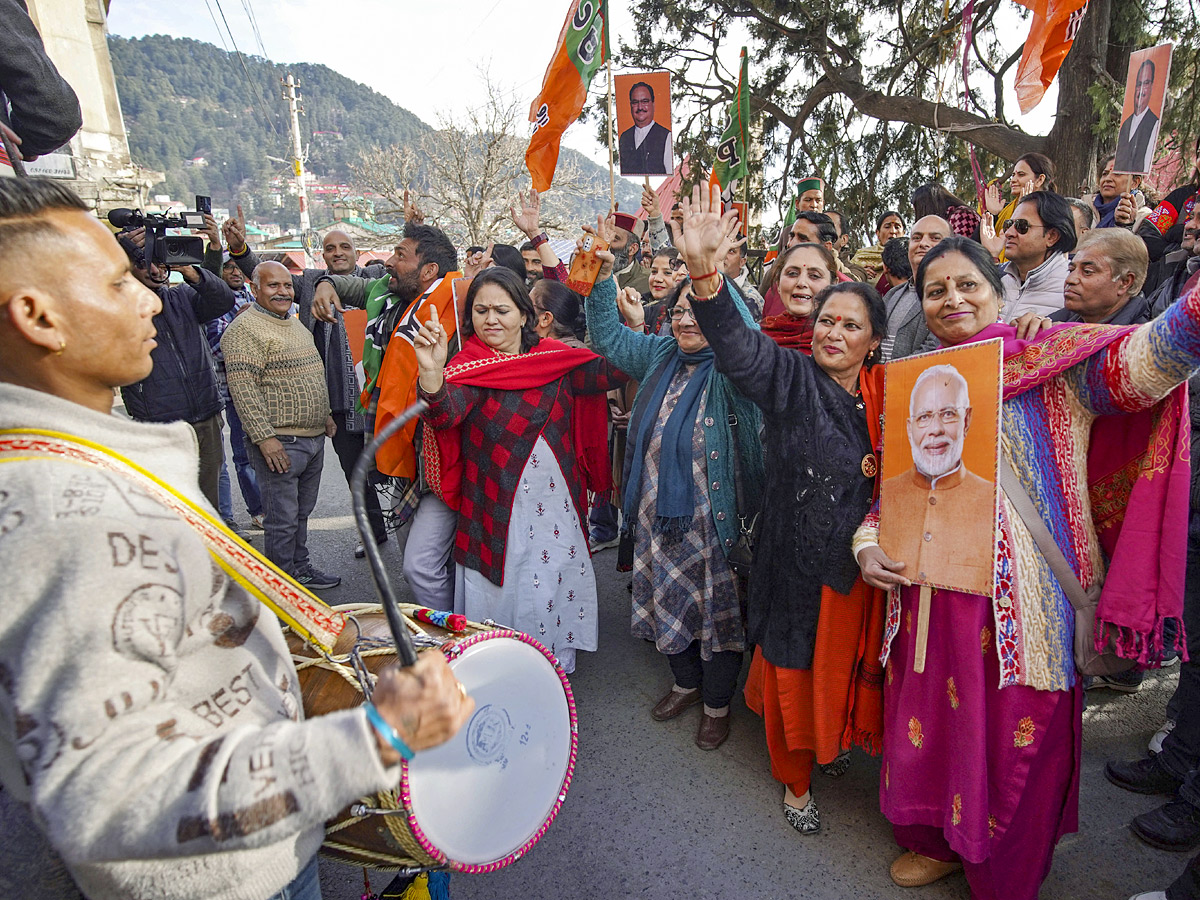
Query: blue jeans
x,y
245,472
305,886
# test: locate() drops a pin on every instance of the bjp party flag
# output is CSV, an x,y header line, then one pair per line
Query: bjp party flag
x,y
582,49
1055,24
731,149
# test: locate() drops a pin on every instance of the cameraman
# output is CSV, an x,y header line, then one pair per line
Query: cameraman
x,y
182,384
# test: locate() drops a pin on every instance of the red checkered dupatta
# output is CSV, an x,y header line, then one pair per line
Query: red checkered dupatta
x,y
477,365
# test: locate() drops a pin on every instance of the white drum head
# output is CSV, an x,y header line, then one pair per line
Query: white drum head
x,y
486,793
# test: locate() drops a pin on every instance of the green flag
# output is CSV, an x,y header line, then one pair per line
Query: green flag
x,y
732,149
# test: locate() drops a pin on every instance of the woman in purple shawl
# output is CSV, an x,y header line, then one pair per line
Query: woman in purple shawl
x,y
982,748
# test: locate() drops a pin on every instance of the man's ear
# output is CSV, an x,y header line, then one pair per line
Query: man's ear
x,y
31,312
967,420
429,272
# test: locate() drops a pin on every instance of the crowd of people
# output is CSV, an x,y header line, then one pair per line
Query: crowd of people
x,y
721,430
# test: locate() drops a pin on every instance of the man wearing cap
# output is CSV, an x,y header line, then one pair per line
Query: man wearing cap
x,y
811,195
626,247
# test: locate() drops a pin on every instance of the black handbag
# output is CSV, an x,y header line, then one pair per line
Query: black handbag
x,y
741,554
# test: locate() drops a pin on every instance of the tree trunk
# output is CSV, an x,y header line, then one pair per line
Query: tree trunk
x,y
1071,144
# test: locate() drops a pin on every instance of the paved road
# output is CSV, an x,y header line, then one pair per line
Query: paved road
x,y
651,816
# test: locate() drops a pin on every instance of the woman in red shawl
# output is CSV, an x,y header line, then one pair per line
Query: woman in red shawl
x,y
800,273
519,435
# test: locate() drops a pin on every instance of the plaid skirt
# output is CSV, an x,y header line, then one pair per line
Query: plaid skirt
x,y
683,588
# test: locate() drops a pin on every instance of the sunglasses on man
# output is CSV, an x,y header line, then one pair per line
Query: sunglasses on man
x,y
1022,225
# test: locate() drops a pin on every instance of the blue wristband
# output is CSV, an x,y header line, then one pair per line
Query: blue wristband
x,y
387,732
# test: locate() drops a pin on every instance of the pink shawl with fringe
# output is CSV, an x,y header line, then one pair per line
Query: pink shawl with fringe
x,y
1138,484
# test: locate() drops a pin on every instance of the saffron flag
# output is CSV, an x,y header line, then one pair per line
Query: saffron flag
x,y
582,49
731,161
1055,24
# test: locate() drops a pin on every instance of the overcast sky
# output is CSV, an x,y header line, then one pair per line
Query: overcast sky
x,y
425,56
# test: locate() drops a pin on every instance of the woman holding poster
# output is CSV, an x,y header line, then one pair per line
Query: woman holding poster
x,y
815,677
982,732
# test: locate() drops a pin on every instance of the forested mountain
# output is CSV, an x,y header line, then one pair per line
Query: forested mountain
x,y
183,99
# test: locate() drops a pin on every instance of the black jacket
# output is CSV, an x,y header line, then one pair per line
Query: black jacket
x,y
45,111
182,384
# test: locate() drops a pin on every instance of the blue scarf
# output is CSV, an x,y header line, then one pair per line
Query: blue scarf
x,y
1106,211
676,491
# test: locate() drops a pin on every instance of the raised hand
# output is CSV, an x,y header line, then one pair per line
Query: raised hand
x,y
605,230
527,214
234,230
412,212
993,201
702,232
650,201
431,345
211,231
988,237
629,305
477,261
1123,215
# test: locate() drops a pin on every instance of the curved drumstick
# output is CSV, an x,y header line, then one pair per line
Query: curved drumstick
x,y
406,653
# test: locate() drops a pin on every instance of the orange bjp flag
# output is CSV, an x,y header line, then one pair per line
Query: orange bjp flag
x,y
582,49
1055,24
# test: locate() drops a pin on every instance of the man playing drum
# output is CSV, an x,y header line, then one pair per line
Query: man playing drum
x,y
152,743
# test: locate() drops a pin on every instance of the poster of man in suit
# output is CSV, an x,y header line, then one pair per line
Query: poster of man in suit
x,y
1145,90
941,440
644,122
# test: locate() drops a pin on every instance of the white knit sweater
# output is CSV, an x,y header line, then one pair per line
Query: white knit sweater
x,y
151,736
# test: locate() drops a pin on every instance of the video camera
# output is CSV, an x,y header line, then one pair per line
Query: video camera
x,y
164,249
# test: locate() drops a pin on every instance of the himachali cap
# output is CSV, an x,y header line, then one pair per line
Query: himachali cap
x,y
811,184
630,223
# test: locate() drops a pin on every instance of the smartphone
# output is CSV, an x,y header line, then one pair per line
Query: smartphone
x,y
585,266
204,204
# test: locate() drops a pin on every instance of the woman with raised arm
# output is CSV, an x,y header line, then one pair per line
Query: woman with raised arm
x,y
519,432
688,434
982,746
815,678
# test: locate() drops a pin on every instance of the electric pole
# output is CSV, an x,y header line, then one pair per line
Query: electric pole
x,y
293,97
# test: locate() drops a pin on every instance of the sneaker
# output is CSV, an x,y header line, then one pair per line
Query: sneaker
x,y
1170,659
318,580
1126,682
596,545
360,552
256,522
1142,776
1173,826
806,820
1155,746
237,529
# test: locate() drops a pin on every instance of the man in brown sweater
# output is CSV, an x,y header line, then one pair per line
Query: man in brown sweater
x,y
277,382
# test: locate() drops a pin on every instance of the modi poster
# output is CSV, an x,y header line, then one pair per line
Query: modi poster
x,y
941,453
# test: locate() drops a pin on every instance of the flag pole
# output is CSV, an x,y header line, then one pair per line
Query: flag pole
x,y
612,177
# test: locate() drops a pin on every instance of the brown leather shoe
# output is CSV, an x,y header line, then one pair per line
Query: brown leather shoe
x,y
713,731
673,704
915,870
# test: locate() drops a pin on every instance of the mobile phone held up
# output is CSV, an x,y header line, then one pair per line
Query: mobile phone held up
x,y
204,204
586,266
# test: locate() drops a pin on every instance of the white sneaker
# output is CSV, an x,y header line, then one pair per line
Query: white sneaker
x,y
1155,745
1150,895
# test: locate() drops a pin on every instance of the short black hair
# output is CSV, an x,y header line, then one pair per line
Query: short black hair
x,y
841,220
513,285
24,204
825,227
1055,212
876,309
510,257
638,85
432,247
895,258
527,246
973,251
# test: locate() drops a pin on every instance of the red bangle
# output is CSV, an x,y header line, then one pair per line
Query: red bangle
x,y
711,274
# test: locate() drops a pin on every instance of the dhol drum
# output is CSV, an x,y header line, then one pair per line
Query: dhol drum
x,y
480,801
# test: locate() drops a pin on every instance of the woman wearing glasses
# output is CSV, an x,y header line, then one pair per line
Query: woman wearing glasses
x,y
981,747
681,499
815,677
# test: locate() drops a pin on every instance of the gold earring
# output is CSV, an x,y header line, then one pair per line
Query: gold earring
x,y
62,345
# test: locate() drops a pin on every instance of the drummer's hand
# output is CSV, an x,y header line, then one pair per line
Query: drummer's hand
x,y
424,703
878,570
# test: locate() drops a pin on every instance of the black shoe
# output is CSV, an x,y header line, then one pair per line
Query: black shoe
x,y
1173,826
1142,776
360,552
318,580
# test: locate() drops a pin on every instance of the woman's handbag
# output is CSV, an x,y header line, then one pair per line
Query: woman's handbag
x,y
741,554
1088,659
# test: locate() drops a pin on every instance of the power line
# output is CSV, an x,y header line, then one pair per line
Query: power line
x,y
248,6
250,81
216,26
